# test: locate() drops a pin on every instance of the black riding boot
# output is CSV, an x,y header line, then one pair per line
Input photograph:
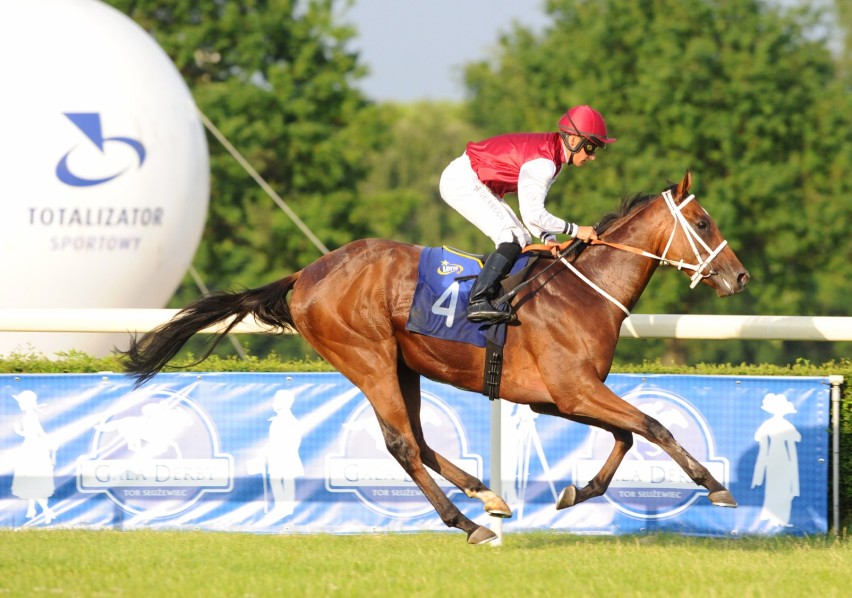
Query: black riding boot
x,y
487,286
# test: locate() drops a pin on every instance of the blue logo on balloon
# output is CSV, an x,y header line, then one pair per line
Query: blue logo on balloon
x,y
90,125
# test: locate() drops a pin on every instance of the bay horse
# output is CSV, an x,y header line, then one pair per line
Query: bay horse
x,y
352,305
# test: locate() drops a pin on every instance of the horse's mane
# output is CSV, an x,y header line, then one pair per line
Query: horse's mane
x,y
628,205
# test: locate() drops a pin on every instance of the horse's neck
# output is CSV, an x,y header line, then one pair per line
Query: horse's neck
x,y
623,274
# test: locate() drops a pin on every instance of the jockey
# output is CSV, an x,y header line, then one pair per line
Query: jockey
x,y
526,164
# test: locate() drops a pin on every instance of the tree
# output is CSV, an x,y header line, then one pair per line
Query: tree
x,y
746,95
276,77
400,198
842,19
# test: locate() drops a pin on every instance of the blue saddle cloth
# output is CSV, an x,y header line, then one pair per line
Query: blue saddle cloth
x,y
445,277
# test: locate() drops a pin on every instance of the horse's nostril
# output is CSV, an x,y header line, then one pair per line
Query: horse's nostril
x,y
743,278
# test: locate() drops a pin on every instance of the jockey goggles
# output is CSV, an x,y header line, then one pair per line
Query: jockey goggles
x,y
588,145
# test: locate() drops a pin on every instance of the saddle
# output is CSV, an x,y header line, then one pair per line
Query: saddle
x,y
444,281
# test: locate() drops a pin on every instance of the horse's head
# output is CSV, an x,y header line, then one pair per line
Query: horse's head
x,y
696,246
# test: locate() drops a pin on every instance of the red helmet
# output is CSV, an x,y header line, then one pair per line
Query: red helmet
x,y
586,122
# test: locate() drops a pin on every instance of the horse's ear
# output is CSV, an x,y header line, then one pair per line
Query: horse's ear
x,y
683,186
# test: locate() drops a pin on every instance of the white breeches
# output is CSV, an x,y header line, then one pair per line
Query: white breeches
x,y
468,196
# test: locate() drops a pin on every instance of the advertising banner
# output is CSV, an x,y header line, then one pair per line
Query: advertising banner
x,y
764,438
105,168
303,452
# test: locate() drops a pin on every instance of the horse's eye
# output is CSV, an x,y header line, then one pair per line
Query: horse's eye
x,y
702,224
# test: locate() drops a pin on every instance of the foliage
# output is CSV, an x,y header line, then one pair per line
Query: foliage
x,y
400,199
76,362
276,77
745,94
843,38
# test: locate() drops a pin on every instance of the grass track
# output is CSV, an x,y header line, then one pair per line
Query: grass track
x,y
157,563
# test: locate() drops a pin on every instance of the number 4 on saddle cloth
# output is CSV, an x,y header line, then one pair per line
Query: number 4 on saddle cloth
x,y
445,277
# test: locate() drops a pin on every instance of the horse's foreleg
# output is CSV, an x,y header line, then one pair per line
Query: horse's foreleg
x,y
409,382
571,495
607,407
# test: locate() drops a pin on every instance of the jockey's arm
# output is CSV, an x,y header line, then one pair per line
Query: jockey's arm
x,y
534,181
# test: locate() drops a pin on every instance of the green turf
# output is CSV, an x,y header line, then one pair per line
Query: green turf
x,y
156,563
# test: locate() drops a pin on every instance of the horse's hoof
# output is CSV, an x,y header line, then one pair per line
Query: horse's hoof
x,y
492,503
497,507
722,498
567,498
502,513
481,535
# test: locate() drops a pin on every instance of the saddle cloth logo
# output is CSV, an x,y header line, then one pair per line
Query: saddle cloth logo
x,y
446,268
445,277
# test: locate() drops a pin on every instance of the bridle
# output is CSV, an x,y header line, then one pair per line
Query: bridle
x,y
701,267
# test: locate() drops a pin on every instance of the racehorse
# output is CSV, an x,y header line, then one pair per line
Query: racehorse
x,y
352,304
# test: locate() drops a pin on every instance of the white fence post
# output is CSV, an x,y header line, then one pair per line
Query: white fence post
x,y
836,382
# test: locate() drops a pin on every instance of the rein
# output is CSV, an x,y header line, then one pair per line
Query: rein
x,y
700,268
511,294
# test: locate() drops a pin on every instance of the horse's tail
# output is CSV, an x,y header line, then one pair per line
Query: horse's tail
x,y
268,304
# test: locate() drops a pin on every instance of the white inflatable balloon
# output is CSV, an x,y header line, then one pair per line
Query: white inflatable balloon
x,y
104,173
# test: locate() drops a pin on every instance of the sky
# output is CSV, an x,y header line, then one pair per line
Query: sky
x,y
416,49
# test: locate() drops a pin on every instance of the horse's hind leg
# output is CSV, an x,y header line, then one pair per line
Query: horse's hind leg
x,y
404,448
471,486
409,383
372,369
354,333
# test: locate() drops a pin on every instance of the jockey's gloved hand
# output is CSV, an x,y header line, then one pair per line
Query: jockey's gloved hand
x,y
550,240
586,233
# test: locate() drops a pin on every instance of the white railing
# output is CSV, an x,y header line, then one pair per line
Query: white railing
x,y
791,328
